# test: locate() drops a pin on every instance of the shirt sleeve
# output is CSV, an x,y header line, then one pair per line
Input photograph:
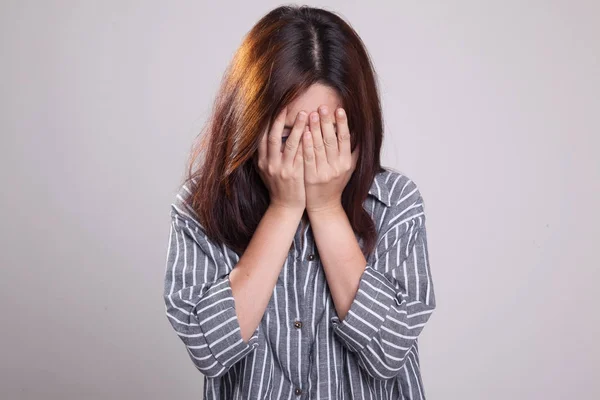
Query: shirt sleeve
x,y
198,299
395,296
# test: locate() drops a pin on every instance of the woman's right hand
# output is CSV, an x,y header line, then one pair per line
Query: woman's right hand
x,y
281,166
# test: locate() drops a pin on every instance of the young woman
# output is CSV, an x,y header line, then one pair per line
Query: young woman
x,y
297,266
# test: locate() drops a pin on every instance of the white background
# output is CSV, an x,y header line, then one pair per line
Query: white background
x,y
492,108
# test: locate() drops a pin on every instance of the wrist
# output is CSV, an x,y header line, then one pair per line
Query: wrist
x,y
325,210
286,210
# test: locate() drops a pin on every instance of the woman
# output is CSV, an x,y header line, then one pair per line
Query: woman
x,y
297,265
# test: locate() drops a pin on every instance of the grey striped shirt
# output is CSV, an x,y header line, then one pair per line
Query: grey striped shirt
x,y
300,349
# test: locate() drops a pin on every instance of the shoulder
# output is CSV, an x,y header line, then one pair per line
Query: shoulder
x,y
180,208
186,224
405,197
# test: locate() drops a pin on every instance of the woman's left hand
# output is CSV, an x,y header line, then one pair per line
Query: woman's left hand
x,y
328,163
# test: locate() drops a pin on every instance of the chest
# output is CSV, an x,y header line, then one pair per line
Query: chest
x,y
301,299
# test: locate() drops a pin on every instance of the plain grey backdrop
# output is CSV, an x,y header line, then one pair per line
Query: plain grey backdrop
x,y
492,108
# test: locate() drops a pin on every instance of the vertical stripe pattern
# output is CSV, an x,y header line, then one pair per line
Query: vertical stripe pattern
x,y
301,349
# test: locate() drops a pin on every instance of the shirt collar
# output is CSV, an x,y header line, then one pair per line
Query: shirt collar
x,y
380,191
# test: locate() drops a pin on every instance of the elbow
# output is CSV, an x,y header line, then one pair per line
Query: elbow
x,y
212,356
386,362
382,372
198,349
207,364
195,343
386,371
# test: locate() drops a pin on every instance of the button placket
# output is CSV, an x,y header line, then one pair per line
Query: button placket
x,y
305,252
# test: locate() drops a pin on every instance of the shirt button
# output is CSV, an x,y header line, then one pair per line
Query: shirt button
x,y
311,257
298,324
298,391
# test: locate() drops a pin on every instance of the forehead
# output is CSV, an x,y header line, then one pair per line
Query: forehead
x,y
309,101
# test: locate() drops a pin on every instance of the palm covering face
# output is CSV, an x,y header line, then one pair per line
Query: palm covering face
x,y
281,166
311,166
328,161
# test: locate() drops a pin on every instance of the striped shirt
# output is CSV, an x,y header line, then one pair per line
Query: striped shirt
x,y
301,349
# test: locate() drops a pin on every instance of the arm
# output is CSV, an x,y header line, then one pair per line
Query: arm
x,y
214,301
391,296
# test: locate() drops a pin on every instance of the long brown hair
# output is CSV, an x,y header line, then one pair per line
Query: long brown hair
x,y
285,52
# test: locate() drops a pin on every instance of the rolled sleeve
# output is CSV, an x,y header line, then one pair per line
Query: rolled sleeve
x,y
199,302
367,311
217,318
392,303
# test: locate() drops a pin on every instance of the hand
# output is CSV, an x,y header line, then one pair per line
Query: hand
x,y
283,172
328,163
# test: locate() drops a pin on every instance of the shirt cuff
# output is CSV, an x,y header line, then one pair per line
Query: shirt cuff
x,y
367,313
218,320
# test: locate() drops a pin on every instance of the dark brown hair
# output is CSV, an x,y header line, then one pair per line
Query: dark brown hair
x,y
288,50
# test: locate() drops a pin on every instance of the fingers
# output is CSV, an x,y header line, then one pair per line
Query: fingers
x,y
343,137
293,140
299,159
310,167
328,131
317,140
274,138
